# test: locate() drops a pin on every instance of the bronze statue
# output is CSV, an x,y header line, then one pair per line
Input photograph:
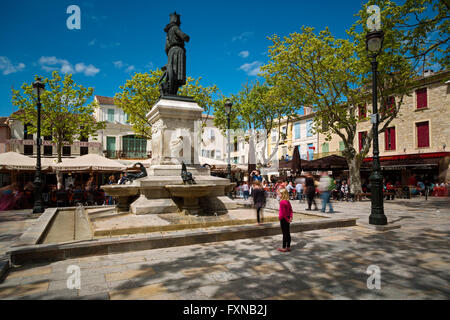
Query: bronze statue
x,y
133,176
175,70
185,175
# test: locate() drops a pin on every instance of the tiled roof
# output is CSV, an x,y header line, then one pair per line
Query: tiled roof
x,y
105,100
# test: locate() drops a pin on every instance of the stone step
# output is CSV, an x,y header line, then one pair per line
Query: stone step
x,y
105,246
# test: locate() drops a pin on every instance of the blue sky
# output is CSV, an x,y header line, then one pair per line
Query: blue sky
x,y
117,38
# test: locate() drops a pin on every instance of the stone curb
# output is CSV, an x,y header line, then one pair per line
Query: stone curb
x,y
105,246
4,268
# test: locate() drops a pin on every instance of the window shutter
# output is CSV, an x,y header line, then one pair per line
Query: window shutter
x,y
386,139
393,138
421,96
423,138
360,136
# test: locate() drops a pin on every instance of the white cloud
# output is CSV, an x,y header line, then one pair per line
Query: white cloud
x,y
52,63
244,54
7,67
252,69
243,36
129,68
89,70
92,42
118,64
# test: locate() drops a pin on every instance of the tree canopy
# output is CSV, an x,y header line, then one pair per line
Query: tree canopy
x,y
65,114
141,92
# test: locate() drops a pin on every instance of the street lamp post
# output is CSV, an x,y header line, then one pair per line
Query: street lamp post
x,y
374,43
38,86
228,106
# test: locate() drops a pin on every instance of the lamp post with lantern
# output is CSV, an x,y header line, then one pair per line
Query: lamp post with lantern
x,y
374,44
228,106
39,87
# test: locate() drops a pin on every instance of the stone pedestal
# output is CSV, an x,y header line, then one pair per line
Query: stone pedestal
x,y
176,138
176,131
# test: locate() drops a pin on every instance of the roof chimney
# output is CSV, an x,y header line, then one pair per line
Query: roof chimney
x,y
428,72
307,110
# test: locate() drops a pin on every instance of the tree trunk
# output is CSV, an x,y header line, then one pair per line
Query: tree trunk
x,y
59,180
59,175
354,166
59,151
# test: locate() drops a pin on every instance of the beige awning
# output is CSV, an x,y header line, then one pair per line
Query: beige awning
x,y
17,161
89,162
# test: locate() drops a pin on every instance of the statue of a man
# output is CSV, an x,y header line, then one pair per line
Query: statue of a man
x,y
175,70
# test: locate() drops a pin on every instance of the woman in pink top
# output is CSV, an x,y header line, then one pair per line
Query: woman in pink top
x,y
285,217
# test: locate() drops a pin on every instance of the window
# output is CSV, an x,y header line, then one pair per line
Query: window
x,y
47,138
127,118
66,151
309,132
325,147
218,154
84,150
48,150
421,98
111,147
341,146
211,134
111,115
361,138
423,134
274,135
28,150
26,134
362,112
389,139
310,151
297,130
134,147
390,106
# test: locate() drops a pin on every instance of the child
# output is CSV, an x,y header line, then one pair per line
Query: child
x,y
285,217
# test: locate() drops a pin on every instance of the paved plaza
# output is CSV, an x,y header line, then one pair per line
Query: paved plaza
x,y
324,264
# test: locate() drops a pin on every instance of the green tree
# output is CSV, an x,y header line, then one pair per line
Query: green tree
x,y
332,76
425,26
140,93
65,114
257,107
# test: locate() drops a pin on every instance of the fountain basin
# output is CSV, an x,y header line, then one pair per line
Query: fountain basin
x,y
190,194
122,193
121,190
190,190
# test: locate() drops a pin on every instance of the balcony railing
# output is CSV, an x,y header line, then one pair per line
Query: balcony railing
x,y
120,154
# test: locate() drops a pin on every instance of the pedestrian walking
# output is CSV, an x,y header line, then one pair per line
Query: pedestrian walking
x,y
259,199
299,190
326,185
245,190
285,217
310,192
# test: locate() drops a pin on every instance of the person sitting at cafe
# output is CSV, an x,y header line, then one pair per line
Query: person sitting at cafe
x,y
421,188
390,189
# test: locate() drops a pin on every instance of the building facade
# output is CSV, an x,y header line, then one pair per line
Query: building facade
x,y
21,141
297,133
416,141
118,139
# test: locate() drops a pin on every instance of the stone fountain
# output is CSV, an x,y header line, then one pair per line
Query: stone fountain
x,y
176,137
